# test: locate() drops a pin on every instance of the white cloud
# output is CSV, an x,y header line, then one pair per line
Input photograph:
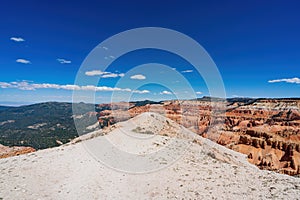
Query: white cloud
x,y
141,91
166,92
4,85
23,61
104,74
198,92
63,61
95,73
138,77
25,85
287,80
187,71
17,39
112,75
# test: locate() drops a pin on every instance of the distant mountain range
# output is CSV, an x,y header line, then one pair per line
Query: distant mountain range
x,y
4,107
40,126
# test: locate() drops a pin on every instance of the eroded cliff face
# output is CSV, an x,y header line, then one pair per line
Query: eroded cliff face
x,y
269,133
267,130
14,151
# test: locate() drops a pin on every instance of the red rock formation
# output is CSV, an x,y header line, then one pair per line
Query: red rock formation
x,y
267,130
14,151
268,133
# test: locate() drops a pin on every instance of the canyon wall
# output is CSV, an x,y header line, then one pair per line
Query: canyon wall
x,y
266,130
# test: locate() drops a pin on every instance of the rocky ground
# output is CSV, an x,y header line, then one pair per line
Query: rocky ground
x,y
14,151
87,169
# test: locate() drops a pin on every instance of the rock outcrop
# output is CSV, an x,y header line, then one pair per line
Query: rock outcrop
x,y
14,151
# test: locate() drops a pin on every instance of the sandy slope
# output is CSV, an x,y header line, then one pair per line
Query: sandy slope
x,y
205,170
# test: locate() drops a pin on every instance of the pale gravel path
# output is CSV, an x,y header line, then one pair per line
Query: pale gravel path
x,y
70,172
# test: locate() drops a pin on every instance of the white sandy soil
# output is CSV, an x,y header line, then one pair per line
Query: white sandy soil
x,y
158,167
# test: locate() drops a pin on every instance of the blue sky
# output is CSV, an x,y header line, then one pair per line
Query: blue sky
x,y
255,45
